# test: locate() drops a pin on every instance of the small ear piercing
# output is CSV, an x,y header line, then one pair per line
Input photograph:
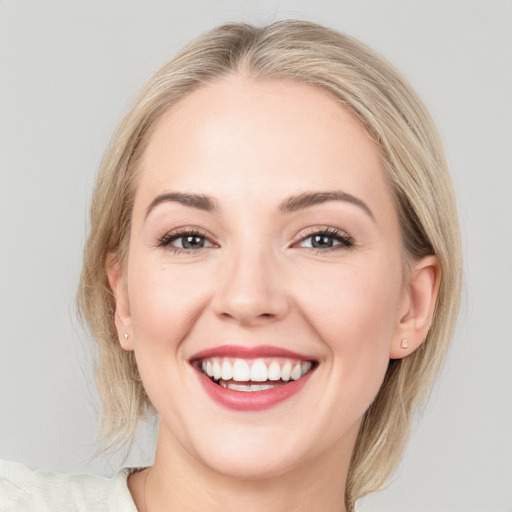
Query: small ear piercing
x,y
125,335
404,343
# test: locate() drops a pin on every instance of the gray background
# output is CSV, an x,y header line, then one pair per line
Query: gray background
x,y
67,72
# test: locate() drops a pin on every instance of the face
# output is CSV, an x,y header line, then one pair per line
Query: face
x,y
263,288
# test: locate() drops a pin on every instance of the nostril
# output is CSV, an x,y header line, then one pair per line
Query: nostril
x,y
250,305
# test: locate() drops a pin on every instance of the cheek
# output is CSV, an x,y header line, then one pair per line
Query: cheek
x,y
354,312
164,303
354,305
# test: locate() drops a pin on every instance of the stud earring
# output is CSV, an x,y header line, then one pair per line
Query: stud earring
x,y
404,343
125,335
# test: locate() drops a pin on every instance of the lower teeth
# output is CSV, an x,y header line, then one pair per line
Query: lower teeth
x,y
246,387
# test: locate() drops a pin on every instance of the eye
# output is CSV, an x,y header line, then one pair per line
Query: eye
x,y
190,242
327,239
185,241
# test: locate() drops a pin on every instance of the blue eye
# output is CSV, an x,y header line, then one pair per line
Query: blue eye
x,y
185,241
327,240
190,242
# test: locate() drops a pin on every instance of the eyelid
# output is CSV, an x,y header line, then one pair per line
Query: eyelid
x,y
347,241
183,231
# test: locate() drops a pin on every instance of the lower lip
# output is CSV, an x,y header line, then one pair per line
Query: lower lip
x,y
251,400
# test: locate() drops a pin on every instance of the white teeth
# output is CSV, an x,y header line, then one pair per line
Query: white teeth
x,y
261,387
274,371
227,370
241,371
217,370
286,371
296,372
238,387
306,367
246,387
259,371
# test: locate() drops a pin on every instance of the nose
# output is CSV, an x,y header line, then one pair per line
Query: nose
x,y
251,290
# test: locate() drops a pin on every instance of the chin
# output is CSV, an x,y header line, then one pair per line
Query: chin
x,y
253,467
251,455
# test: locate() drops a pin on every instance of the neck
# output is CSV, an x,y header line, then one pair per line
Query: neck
x,y
179,482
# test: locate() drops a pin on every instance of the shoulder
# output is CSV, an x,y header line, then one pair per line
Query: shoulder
x,y
25,490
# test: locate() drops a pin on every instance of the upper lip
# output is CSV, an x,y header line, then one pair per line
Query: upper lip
x,y
246,352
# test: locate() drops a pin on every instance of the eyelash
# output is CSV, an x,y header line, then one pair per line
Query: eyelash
x,y
344,241
168,238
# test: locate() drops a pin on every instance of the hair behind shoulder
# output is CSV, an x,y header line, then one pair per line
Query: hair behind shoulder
x,y
393,115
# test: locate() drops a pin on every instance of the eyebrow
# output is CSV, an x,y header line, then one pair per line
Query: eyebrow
x,y
292,204
198,201
308,199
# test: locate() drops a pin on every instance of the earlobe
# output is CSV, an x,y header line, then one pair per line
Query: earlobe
x,y
122,318
419,302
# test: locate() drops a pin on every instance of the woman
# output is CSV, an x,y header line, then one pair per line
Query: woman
x,y
274,268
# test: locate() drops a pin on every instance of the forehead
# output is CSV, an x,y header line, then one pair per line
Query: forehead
x,y
260,137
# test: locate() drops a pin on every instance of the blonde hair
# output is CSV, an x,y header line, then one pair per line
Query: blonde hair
x,y
391,112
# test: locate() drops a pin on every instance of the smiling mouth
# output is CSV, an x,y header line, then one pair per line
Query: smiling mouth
x,y
252,375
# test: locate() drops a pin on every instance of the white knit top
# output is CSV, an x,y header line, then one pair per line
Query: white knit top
x,y
24,490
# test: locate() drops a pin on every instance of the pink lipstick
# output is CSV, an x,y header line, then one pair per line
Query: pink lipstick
x,y
251,378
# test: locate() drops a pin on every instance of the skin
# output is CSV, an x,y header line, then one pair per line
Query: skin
x,y
250,145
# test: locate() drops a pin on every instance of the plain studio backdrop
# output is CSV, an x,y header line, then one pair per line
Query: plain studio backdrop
x,y
68,71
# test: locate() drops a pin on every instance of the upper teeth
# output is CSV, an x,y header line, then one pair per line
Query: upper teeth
x,y
258,370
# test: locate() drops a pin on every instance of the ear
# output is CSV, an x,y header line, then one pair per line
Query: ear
x,y
122,318
417,307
